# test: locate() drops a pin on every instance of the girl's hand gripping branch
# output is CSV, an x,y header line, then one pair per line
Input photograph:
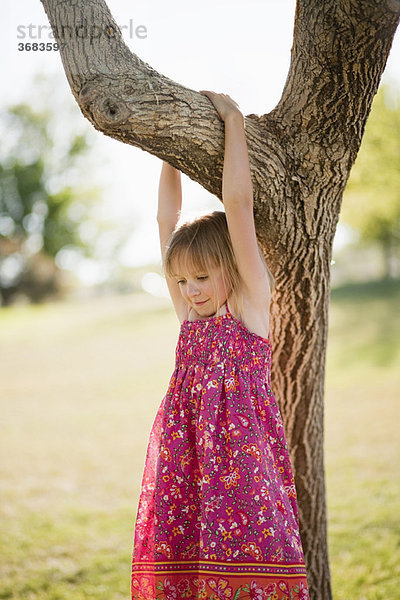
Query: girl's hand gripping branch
x,y
223,103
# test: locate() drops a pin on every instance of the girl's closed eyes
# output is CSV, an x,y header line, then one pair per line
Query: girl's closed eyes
x,y
199,278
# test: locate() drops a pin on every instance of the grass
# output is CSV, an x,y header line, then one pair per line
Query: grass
x,y
81,384
362,450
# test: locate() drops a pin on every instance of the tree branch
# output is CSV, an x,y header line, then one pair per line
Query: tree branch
x,y
126,99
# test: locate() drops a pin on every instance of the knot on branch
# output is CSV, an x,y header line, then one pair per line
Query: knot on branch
x,y
104,109
110,31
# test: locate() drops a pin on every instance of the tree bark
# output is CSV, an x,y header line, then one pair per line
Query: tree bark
x,y
300,155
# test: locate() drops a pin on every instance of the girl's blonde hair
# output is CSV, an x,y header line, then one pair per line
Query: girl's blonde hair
x,y
201,246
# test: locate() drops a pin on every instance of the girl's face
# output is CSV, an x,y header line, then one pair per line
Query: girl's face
x,y
205,292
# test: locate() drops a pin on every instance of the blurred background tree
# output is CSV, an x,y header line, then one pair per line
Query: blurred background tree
x,y
42,201
52,216
371,202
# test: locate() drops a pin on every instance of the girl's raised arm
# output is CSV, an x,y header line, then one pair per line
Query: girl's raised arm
x,y
169,208
237,197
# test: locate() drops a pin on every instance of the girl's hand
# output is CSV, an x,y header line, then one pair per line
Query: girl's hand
x,y
224,104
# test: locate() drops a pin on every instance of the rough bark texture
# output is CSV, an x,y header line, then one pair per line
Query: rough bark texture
x,y
300,155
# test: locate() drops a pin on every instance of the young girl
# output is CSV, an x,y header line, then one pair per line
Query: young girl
x,y
217,516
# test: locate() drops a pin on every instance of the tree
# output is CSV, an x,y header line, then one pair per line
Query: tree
x,y
300,155
371,202
40,213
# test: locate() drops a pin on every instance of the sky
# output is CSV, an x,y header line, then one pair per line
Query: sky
x,y
231,46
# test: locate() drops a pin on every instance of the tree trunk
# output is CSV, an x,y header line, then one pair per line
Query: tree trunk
x,y
300,156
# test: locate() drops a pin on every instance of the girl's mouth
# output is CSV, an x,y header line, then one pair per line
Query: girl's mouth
x,y
200,303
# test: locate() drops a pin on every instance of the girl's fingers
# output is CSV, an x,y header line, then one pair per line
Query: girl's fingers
x,y
223,103
226,96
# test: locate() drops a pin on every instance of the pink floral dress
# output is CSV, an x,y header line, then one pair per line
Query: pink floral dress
x,y
217,516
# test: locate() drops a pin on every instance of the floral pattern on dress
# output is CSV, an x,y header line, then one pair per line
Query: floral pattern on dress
x,y
217,516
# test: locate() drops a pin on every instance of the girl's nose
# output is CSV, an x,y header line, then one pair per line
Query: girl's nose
x,y
193,290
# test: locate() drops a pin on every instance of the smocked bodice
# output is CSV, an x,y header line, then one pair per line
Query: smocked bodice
x,y
223,339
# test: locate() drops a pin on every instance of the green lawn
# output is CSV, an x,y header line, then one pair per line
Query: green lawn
x,y
362,455
80,386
